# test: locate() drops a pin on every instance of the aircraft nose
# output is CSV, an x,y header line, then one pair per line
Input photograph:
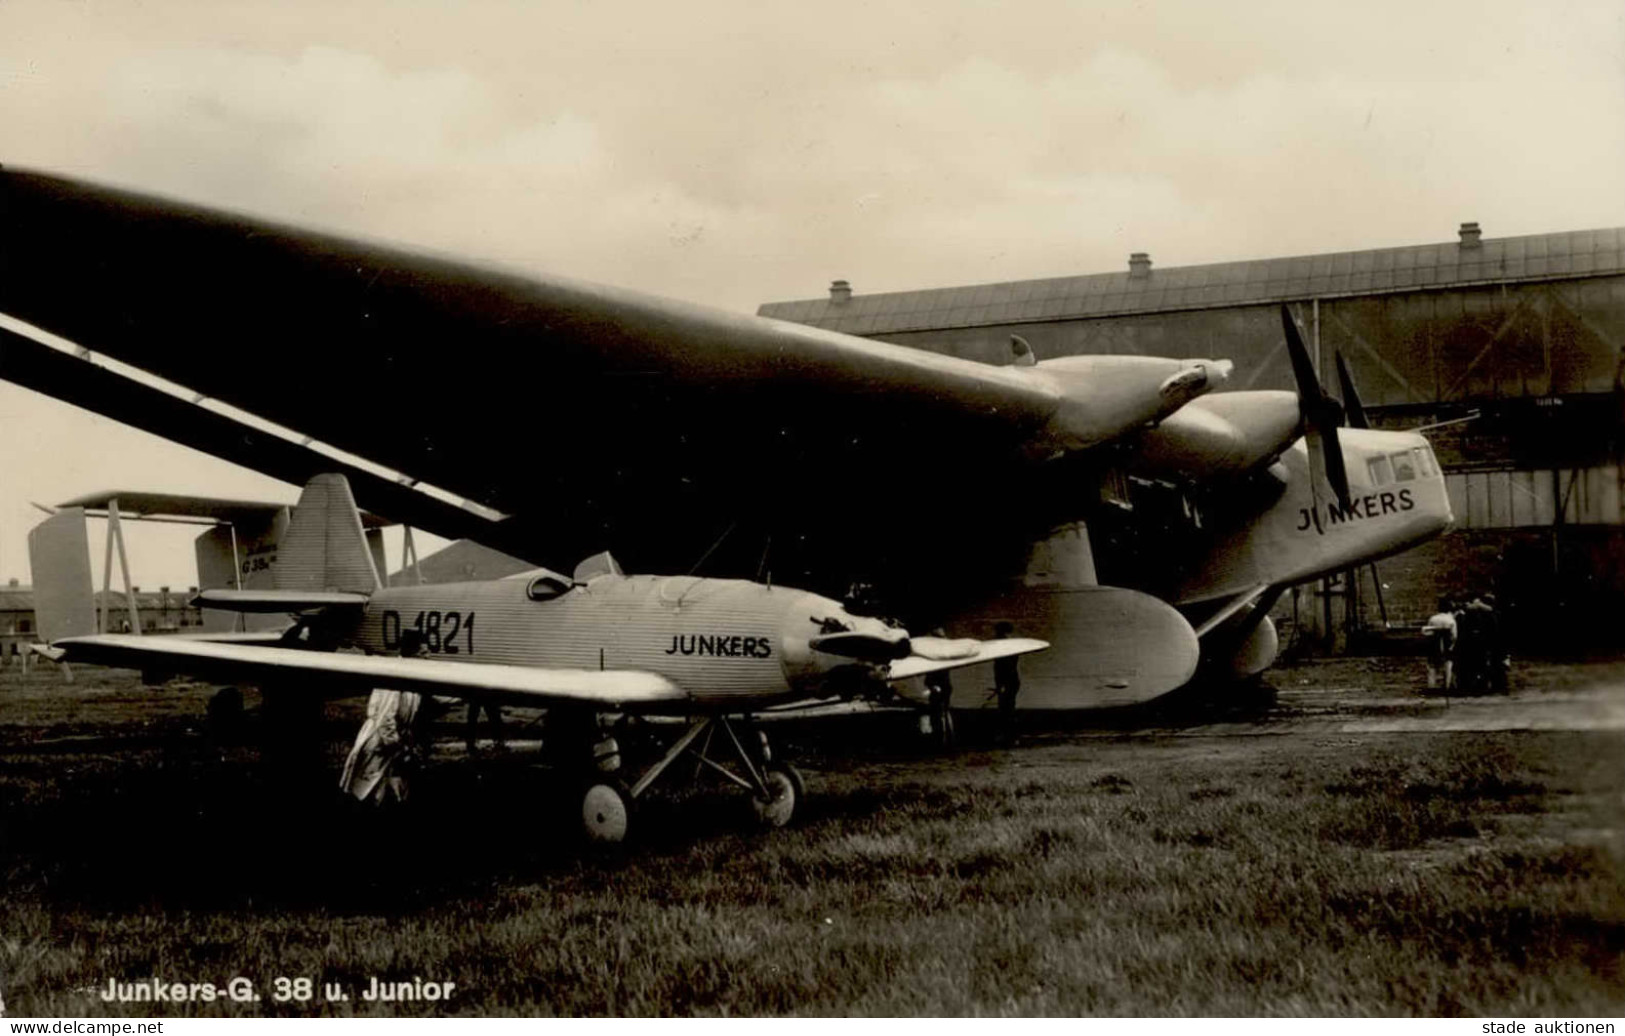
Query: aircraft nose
x,y
863,645
842,637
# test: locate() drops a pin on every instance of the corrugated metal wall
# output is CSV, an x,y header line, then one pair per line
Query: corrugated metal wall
x,y
1449,346
1521,499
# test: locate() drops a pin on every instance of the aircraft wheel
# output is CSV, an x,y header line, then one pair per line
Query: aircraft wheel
x,y
606,813
786,788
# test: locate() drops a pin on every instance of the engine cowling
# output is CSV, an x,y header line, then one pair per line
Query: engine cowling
x,y
1100,398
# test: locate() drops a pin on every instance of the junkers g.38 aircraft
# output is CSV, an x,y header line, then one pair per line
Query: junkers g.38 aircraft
x,y
711,650
582,418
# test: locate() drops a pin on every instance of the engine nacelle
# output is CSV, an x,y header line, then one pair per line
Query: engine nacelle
x,y
1231,661
1103,397
1226,434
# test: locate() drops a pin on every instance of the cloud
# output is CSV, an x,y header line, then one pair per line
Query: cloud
x,y
737,153
735,164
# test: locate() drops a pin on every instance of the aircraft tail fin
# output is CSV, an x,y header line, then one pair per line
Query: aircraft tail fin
x,y
325,548
59,560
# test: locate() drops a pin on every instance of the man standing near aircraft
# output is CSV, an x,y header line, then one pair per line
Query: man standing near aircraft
x,y
939,689
385,748
1441,649
1006,684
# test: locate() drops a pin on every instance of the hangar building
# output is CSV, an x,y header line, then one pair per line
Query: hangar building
x,y
1522,334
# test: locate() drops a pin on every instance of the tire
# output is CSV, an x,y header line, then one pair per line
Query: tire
x,y
606,813
787,790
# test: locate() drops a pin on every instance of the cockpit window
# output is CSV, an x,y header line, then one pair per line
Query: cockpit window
x,y
1404,466
1382,472
549,585
1424,461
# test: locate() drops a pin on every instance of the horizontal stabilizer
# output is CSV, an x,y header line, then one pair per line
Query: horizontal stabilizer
x,y
277,600
920,663
342,675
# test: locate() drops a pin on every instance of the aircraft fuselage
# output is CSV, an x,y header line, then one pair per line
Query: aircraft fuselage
x,y
730,643
1397,499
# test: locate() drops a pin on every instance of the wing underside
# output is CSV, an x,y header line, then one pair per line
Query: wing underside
x,y
728,421
419,329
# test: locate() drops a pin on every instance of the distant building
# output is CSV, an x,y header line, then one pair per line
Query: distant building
x,y
1524,332
160,611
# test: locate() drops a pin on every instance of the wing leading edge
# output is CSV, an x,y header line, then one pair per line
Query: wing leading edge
x,y
676,395
339,675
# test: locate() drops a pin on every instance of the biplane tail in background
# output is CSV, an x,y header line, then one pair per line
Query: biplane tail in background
x,y
323,559
64,593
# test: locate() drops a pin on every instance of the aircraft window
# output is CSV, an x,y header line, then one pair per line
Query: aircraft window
x,y
548,586
1382,472
1424,461
1404,467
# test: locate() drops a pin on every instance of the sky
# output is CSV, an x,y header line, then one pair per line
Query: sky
x,y
736,153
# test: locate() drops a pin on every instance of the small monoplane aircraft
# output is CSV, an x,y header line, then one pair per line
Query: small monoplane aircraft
x,y
597,644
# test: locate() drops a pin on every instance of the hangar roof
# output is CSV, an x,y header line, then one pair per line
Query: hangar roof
x,y
1578,253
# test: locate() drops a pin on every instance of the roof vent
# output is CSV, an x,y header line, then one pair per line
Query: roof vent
x,y
1470,235
840,291
1139,265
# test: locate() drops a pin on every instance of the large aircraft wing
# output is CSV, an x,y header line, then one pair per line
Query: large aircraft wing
x,y
44,369
339,675
644,423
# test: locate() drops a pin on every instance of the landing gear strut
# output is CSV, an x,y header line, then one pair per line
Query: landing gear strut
x,y
715,744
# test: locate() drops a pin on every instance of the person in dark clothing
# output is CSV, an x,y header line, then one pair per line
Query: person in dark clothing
x,y
1006,684
1496,661
1483,660
940,691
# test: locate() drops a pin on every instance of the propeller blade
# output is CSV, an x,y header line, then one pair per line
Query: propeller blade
x,y
1303,371
866,647
1336,472
1317,462
1353,409
1322,416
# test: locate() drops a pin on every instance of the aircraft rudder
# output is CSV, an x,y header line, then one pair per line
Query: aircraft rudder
x,y
325,547
59,563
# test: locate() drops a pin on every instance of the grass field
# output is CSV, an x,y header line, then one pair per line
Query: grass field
x,y
1179,872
